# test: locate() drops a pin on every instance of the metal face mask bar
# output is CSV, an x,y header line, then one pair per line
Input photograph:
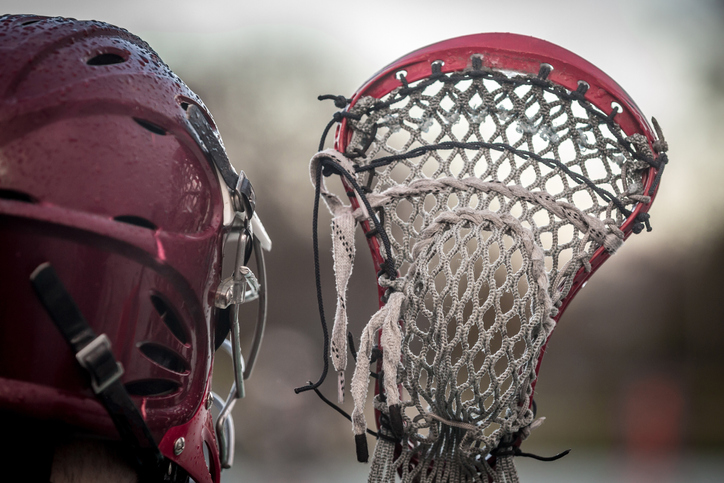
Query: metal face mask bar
x,y
243,285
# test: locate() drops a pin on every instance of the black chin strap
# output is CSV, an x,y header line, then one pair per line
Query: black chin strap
x,y
95,356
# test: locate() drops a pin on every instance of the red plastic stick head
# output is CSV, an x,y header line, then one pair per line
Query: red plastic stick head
x,y
503,171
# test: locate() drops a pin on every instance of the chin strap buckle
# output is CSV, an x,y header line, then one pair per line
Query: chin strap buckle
x,y
97,358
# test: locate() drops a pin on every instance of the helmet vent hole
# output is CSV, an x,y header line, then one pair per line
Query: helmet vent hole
x,y
106,59
186,104
152,387
169,317
164,357
154,128
136,220
16,196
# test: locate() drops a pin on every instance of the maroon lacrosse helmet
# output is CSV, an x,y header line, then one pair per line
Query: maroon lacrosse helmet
x,y
117,196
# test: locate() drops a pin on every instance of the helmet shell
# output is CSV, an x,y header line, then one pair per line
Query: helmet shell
x,y
101,177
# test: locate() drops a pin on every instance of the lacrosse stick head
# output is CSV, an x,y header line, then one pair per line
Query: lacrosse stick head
x,y
493,174
113,172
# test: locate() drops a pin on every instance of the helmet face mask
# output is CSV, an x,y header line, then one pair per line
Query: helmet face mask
x,y
112,171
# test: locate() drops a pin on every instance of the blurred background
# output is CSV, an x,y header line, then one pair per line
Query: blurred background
x,y
630,381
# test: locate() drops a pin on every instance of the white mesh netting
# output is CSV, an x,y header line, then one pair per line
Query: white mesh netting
x,y
521,120
493,189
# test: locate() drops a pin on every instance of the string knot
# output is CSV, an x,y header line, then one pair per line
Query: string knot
x,y
396,284
660,145
340,102
643,218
